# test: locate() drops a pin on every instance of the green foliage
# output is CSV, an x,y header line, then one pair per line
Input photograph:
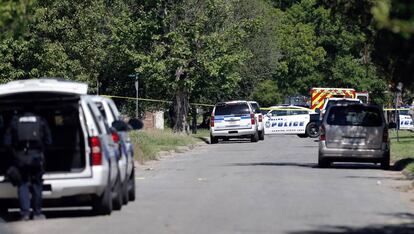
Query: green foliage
x,y
208,51
197,51
266,93
323,46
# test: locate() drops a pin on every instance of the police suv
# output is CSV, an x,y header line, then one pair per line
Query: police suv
x,y
81,167
233,119
292,120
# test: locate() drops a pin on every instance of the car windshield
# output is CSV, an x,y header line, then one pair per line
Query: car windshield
x,y
232,109
354,116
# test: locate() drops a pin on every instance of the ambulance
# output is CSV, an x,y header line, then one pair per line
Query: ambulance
x,y
319,95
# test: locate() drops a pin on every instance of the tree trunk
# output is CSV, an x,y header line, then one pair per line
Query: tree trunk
x,y
180,111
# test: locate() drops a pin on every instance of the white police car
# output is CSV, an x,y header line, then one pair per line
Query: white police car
x,y
291,120
406,122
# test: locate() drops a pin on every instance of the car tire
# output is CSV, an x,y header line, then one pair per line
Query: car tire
x,y
385,162
255,137
302,135
125,192
102,205
261,135
117,194
131,186
323,162
4,209
213,140
312,130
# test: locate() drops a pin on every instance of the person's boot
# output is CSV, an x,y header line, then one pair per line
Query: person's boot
x,y
39,217
25,218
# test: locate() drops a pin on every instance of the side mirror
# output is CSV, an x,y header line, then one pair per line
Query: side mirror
x,y
392,125
120,126
136,124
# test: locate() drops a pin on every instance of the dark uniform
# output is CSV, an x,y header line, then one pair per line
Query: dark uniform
x,y
26,137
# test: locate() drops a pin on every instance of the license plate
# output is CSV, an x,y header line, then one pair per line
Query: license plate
x,y
354,141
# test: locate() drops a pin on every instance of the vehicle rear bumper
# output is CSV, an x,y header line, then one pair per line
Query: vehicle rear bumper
x,y
351,154
234,132
59,188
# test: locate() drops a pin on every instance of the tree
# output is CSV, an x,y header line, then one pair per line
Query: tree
x,y
266,93
193,57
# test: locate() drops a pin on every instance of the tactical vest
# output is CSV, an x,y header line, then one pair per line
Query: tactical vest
x,y
28,141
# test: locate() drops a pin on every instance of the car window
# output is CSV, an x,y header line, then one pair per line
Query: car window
x,y
404,112
298,112
232,109
354,116
95,118
255,106
279,112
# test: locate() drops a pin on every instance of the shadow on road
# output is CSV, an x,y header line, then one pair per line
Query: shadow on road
x,y
405,226
50,214
277,164
374,229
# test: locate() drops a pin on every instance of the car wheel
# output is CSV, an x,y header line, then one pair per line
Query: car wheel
x,y
117,194
385,162
102,205
255,137
312,130
302,135
261,135
131,186
213,140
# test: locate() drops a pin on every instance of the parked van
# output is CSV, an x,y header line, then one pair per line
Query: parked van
x,y
81,165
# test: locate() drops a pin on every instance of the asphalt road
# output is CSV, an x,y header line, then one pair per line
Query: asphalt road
x,y
272,186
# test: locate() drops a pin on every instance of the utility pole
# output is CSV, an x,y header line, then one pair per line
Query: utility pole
x,y
135,75
398,92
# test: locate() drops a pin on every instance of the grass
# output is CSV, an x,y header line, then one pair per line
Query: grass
x,y
148,143
402,152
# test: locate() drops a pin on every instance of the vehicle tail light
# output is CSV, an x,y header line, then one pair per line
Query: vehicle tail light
x,y
115,137
260,118
385,135
96,154
212,121
252,118
322,136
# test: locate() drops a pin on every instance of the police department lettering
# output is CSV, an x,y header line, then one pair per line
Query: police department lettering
x,y
289,124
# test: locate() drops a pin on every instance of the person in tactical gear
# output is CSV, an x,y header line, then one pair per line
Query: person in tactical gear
x,y
26,137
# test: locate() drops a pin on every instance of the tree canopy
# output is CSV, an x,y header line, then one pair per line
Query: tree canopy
x,y
214,50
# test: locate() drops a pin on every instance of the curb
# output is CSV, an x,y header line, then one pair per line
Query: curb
x,y
171,153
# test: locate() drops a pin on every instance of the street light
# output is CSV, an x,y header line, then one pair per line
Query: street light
x,y
135,75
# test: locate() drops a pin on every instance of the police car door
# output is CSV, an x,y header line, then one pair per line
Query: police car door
x,y
286,121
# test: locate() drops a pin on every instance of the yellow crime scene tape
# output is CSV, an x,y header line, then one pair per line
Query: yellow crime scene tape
x,y
152,100
297,108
